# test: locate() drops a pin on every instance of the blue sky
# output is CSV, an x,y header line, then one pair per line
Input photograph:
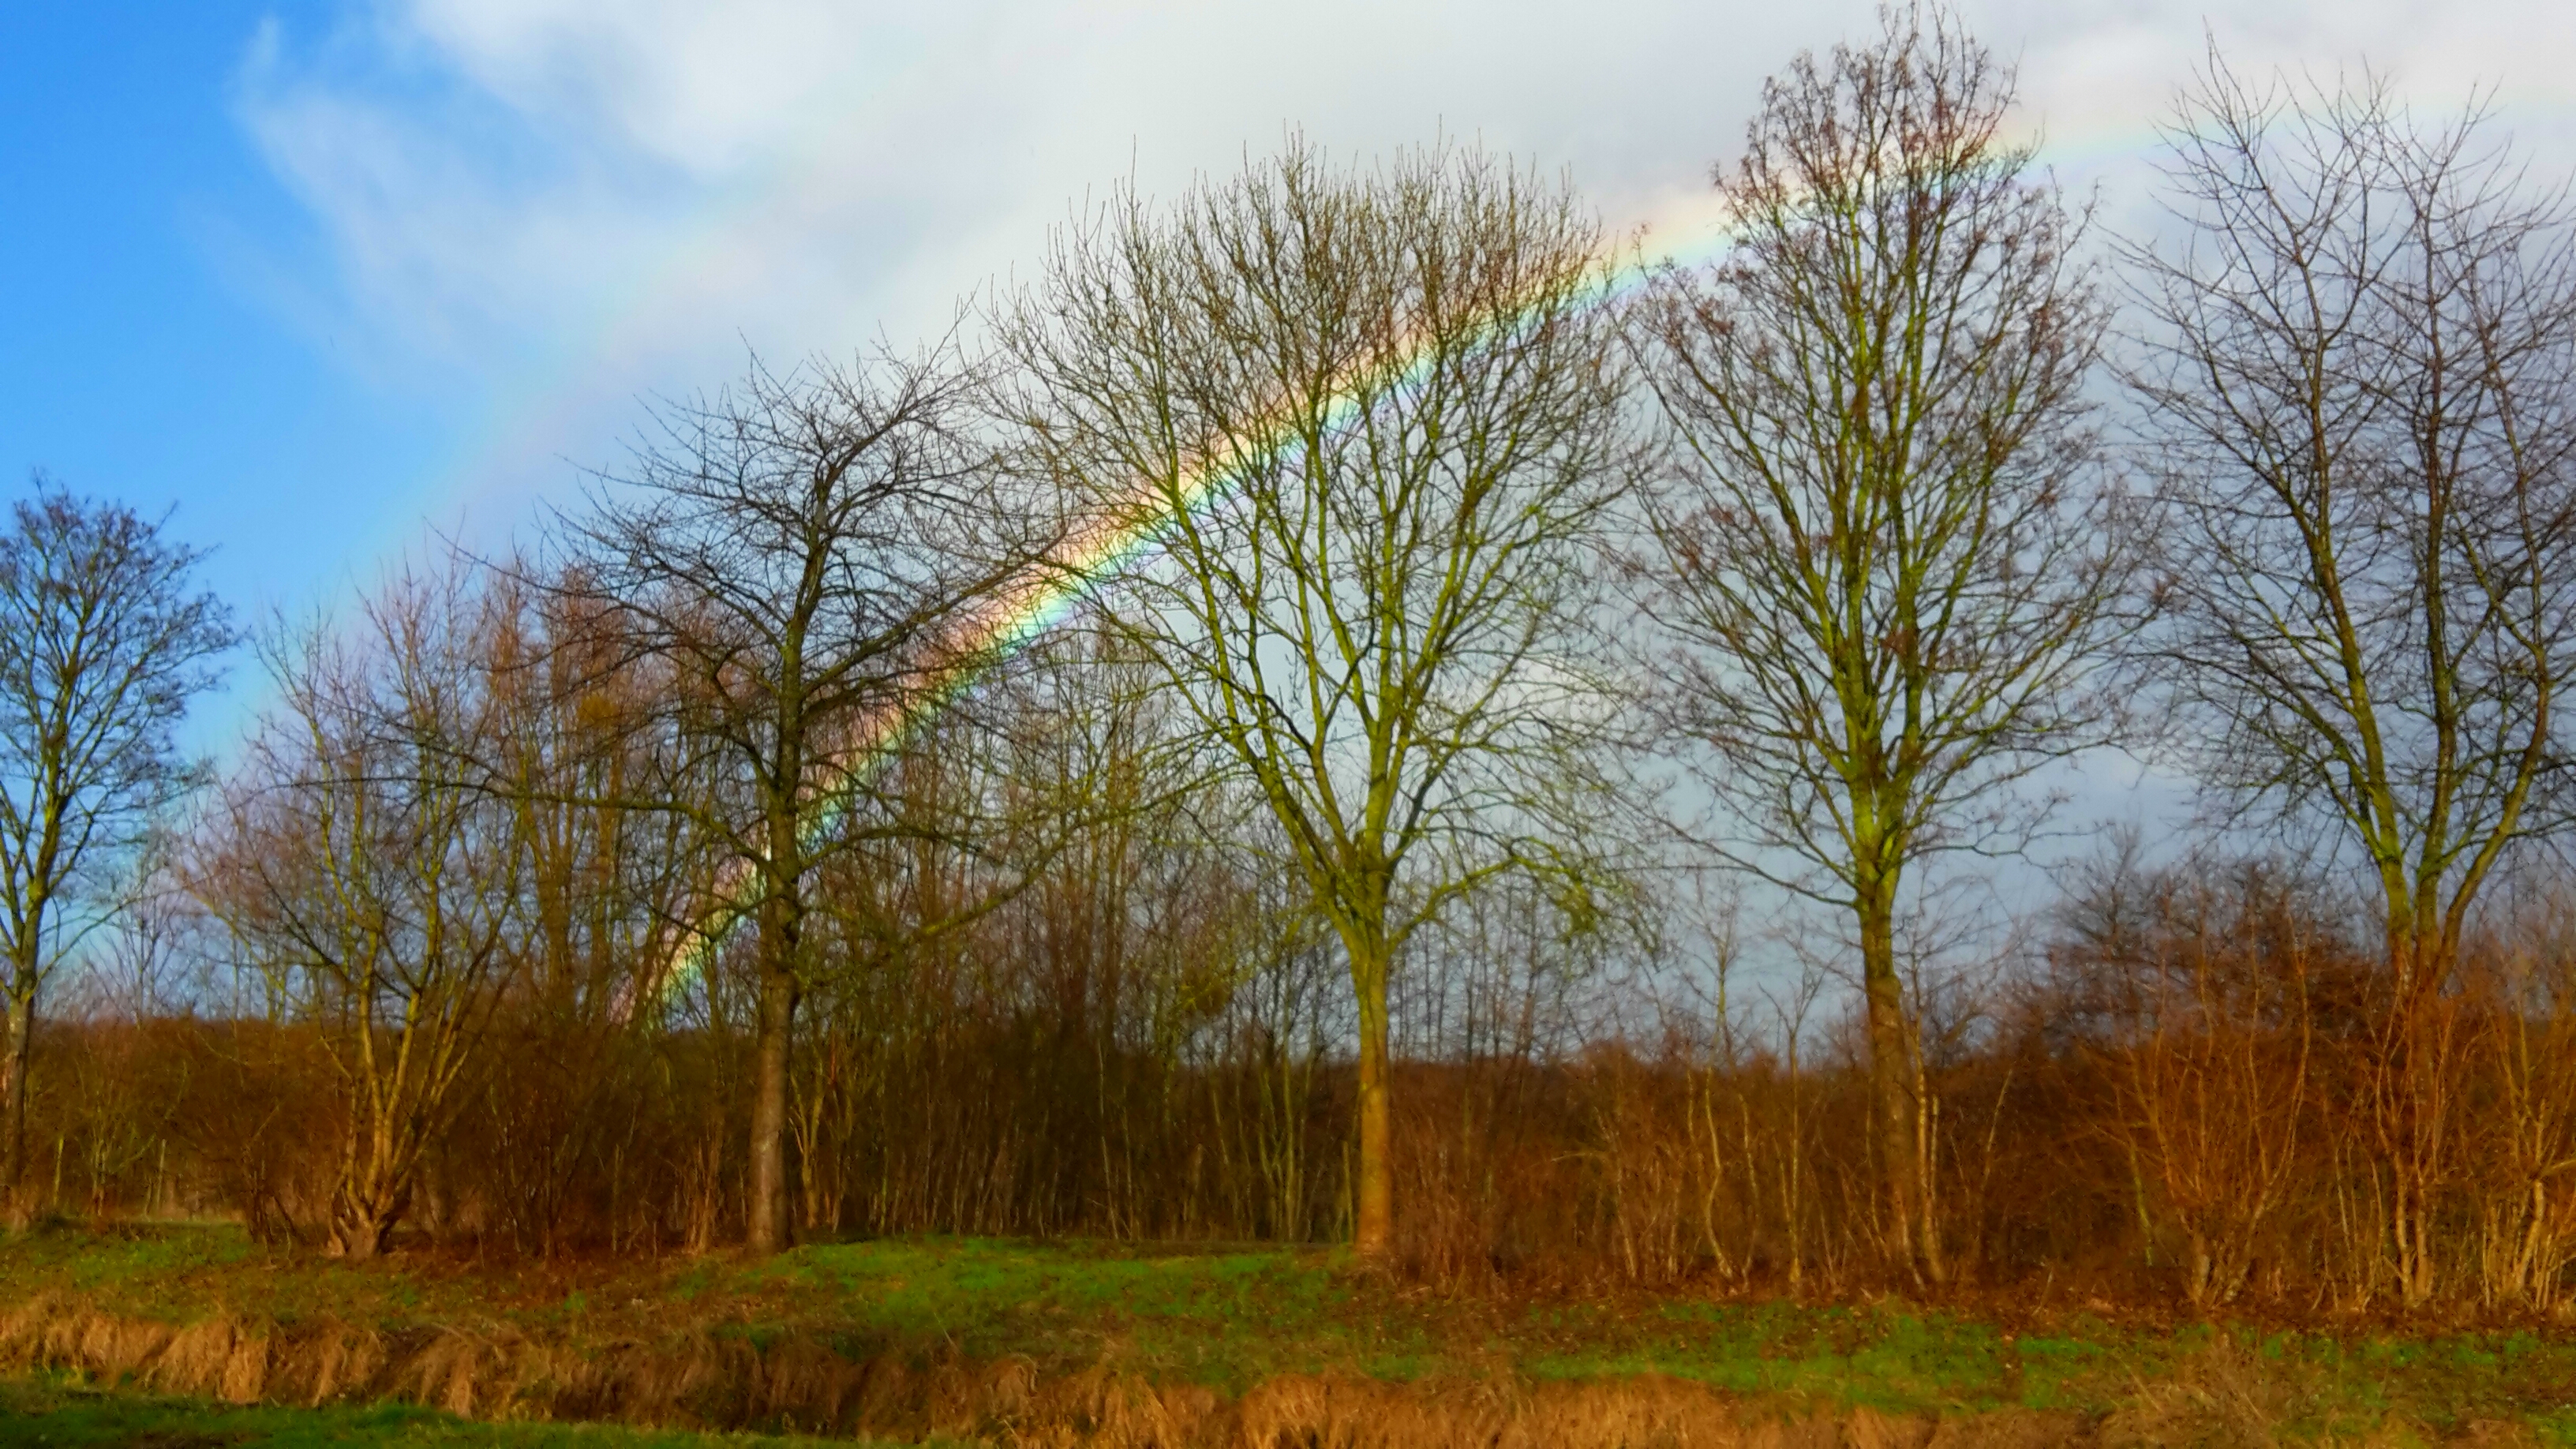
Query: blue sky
x,y
330,273
138,356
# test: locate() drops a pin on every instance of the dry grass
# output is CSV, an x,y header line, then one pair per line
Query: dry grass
x,y
1065,1346
2221,1397
699,1380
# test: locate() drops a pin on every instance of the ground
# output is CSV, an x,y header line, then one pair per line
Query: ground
x,y
980,1338
42,1411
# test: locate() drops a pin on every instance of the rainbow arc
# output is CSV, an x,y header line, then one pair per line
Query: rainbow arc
x,y
1030,606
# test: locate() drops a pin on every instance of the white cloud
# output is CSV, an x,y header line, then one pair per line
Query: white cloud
x,y
571,201
704,88
567,203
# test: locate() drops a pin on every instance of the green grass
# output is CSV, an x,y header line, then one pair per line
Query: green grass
x,y
52,1413
1229,1318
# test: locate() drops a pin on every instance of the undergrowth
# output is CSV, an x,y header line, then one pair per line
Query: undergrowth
x,y
1235,1325
53,1412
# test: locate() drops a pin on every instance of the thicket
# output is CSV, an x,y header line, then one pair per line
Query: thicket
x,y
1340,724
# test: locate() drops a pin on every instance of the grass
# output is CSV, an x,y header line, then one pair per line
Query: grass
x,y
52,1412
1225,1319
1229,1319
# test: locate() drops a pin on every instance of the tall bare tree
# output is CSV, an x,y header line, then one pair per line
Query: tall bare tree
x,y
1373,421
2359,375
104,639
372,879
581,751
1886,553
802,551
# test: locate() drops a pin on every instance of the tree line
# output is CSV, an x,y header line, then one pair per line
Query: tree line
x,y
1354,706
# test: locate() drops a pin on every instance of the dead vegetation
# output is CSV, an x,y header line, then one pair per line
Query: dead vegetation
x,y
716,1376
799,1383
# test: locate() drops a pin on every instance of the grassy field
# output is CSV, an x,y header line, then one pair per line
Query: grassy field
x,y
1003,1320
43,1411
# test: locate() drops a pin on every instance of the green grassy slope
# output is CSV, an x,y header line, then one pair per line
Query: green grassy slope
x,y
1230,1319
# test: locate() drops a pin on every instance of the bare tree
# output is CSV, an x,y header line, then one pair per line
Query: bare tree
x,y
372,879
584,738
2359,376
1887,555
805,552
103,642
2192,988
1373,422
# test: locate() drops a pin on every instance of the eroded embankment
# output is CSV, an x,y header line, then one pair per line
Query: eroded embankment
x,y
732,1380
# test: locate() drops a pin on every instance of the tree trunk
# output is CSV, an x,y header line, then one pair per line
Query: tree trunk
x,y
2406,1093
781,924
769,1203
1891,1083
373,1195
1376,1220
2413,1107
13,1092
1374,1229
361,1231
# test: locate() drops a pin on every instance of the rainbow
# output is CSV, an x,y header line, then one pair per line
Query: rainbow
x,y
1033,604
529,416
1030,606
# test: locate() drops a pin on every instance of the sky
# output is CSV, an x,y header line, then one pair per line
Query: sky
x,y
326,276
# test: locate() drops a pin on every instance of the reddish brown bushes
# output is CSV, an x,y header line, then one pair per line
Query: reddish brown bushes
x,y
2192,1083
2169,1102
